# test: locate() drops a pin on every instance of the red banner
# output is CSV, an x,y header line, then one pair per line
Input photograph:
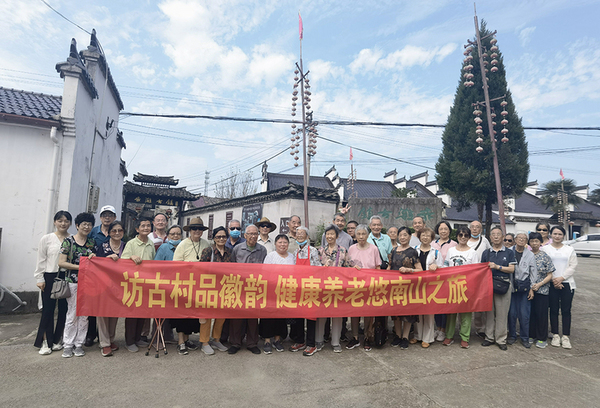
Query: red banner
x,y
229,290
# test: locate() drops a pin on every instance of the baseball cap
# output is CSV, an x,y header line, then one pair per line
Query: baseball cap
x,y
108,208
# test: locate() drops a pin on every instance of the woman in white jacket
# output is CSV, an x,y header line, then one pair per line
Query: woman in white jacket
x,y
562,288
430,259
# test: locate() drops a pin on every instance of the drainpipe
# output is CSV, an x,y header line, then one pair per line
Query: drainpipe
x,y
52,191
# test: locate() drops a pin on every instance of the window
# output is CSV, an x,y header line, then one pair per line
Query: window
x,y
228,217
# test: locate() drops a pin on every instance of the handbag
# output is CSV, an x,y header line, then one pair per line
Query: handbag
x,y
501,283
522,285
60,289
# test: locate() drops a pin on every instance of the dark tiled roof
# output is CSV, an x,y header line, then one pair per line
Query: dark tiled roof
x,y
389,173
205,201
425,173
180,192
528,203
469,215
368,189
277,181
422,192
29,104
146,178
289,191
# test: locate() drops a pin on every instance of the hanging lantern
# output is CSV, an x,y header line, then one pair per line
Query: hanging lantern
x,y
296,157
297,137
493,115
295,92
479,140
468,67
477,112
294,98
494,69
479,149
493,48
468,51
504,139
493,41
295,164
292,139
292,153
296,78
478,120
504,131
493,123
479,127
479,131
503,103
484,55
494,62
504,113
504,122
293,113
293,126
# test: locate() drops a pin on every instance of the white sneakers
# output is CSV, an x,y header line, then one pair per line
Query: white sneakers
x,y
440,335
45,350
557,340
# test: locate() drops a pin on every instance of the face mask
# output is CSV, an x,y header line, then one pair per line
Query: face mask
x,y
475,236
303,242
174,241
235,234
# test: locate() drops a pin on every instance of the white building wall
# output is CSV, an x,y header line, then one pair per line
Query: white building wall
x,y
26,157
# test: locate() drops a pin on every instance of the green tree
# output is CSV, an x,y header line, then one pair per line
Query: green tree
x,y
551,190
404,193
594,196
463,173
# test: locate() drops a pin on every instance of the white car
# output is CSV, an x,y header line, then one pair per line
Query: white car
x,y
586,245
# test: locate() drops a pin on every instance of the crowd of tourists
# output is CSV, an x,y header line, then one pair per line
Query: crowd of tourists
x,y
532,275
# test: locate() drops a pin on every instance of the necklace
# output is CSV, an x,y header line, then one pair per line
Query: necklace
x,y
116,251
197,251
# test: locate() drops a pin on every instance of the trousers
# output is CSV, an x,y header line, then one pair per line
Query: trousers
x,y
46,327
75,326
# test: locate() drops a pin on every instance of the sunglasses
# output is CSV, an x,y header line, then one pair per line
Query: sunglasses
x,y
235,228
264,226
542,230
462,235
116,231
221,237
508,240
195,228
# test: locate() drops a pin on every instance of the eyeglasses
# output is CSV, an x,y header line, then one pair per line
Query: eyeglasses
x,y
252,234
462,235
107,215
221,237
195,228
85,225
508,240
116,231
235,228
542,229
264,226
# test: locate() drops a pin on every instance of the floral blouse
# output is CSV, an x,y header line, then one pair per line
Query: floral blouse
x,y
336,257
212,254
544,267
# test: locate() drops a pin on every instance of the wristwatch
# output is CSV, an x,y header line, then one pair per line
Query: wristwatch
x,y
499,267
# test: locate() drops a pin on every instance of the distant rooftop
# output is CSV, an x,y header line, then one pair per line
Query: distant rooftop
x,y
29,104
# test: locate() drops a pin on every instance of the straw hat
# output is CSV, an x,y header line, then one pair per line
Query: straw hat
x,y
265,220
195,222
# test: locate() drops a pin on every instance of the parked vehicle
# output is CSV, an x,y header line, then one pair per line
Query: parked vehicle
x,y
586,245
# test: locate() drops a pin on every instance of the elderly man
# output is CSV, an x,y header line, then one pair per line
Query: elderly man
x,y
480,244
100,235
293,225
344,239
418,224
235,234
520,300
381,241
502,263
248,251
306,254
509,240
351,230
265,226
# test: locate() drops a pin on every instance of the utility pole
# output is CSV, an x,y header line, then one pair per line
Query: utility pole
x,y
490,125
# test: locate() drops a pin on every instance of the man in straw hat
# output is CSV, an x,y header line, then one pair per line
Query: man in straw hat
x,y
265,226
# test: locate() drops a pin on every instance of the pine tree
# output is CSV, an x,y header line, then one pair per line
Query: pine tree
x,y
463,173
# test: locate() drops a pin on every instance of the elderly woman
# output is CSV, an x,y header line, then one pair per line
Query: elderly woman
x,y
189,250
404,259
218,252
462,254
48,337
430,259
543,228
392,232
113,248
364,255
540,288
442,244
562,289
332,254
72,250
274,330
305,255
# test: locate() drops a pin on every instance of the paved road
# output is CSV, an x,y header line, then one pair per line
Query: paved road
x,y
437,377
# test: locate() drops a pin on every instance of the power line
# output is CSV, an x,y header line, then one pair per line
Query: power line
x,y
60,14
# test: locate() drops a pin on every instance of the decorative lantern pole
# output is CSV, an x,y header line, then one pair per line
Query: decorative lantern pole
x,y
308,126
490,115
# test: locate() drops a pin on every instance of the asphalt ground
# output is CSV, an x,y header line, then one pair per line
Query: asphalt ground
x,y
435,377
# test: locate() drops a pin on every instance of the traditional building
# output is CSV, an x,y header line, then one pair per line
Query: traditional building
x,y
59,153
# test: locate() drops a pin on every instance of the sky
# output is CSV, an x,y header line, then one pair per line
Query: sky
x,y
384,61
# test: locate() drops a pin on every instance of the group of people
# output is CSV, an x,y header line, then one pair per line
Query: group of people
x,y
531,277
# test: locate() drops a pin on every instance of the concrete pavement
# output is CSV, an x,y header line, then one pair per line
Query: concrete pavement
x,y
438,376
